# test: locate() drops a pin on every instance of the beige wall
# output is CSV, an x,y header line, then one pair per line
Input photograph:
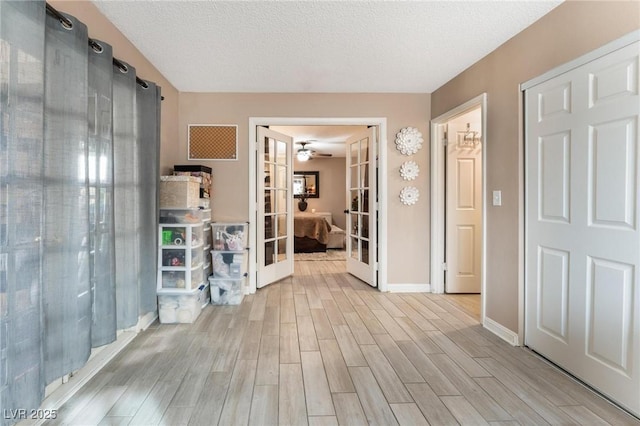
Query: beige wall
x,y
102,29
408,231
567,32
332,187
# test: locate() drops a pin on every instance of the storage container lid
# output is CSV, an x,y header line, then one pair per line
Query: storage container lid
x,y
192,168
182,178
175,292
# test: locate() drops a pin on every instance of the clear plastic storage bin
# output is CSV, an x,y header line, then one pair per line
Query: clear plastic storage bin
x,y
230,236
229,264
180,306
226,291
190,216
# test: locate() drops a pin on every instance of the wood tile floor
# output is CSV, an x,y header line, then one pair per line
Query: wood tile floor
x,y
322,348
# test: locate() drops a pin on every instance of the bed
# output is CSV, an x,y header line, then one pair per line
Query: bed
x,y
311,233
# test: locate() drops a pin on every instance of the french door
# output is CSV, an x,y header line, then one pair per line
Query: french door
x,y
275,206
361,201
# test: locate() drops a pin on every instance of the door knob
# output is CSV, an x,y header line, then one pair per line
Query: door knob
x,y
346,212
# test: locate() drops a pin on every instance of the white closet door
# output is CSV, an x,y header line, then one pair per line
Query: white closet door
x,y
582,224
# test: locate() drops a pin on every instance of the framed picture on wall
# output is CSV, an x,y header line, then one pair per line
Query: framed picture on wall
x,y
213,142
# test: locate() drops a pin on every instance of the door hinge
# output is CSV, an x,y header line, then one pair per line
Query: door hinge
x,y
376,266
444,266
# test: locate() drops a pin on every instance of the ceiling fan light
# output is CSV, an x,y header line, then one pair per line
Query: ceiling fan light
x,y
303,155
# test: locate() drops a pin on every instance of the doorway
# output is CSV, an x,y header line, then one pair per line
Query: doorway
x,y
458,191
283,123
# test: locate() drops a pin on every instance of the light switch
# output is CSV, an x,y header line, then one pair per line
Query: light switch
x,y
497,198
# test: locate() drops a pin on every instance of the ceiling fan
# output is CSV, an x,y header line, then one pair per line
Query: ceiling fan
x,y
305,154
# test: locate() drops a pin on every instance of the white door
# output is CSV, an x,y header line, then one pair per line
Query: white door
x,y
361,210
582,218
464,204
275,206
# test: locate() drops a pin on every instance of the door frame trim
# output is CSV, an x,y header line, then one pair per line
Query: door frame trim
x,y
438,181
381,122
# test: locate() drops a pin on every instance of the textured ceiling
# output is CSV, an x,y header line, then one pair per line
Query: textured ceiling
x,y
317,46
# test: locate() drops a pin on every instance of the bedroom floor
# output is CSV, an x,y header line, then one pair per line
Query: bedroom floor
x,y
322,348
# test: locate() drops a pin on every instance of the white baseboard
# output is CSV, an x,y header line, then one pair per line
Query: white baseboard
x,y
73,383
145,321
409,288
501,331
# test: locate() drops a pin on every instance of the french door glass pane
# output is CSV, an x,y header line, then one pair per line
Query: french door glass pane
x,y
354,153
269,146
282,249
269,178
282,225
364,150
354,177
269,197
354,249
364,205
354,224
281,182
355,201
364,174
269,252
281,157
281,201
364,252
269,229
364,229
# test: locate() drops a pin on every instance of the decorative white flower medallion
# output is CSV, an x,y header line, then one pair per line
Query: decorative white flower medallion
x,y
409,140
409,195
409,170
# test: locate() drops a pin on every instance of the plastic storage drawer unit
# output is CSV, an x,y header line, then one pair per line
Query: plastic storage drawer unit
x,y
180,257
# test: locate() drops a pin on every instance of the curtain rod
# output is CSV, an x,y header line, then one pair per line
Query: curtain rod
x,y
68,23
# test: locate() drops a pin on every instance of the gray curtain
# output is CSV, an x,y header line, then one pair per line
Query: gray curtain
x,y
147,167
102,230
125,195
67,292
78,200
21,145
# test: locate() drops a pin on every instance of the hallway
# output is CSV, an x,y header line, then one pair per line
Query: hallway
x,y
322,348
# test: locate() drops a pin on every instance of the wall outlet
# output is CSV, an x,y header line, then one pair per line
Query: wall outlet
x,y
497,198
